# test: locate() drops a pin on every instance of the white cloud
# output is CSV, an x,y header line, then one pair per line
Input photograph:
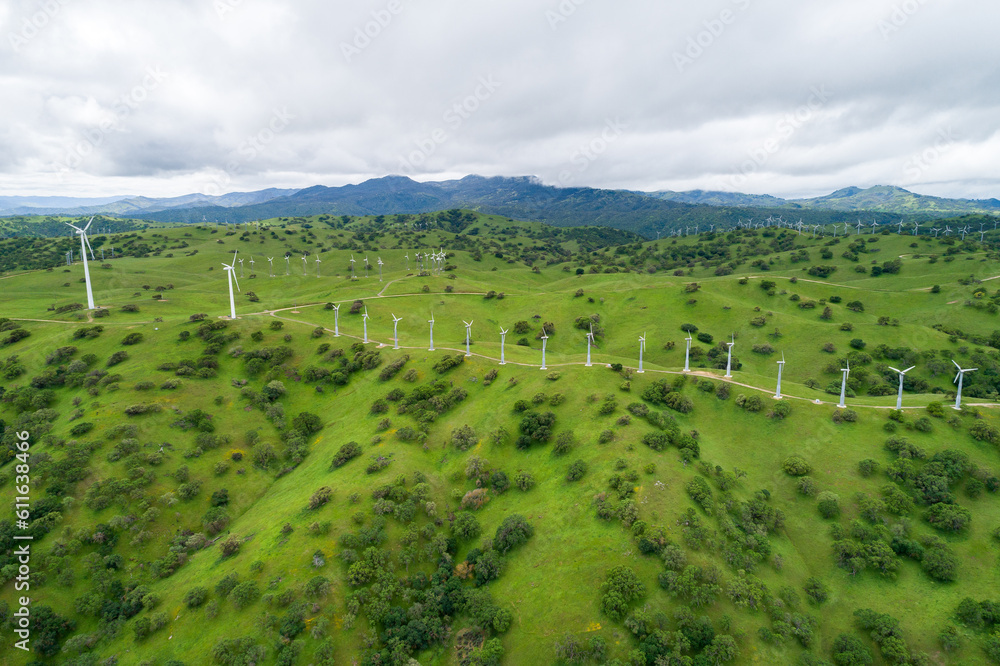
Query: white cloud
x,y
231,64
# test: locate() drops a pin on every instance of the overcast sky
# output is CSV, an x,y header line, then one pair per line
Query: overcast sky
x,y
765,96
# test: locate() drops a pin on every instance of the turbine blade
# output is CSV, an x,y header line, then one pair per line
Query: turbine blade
x,y
233,273
957,375
89,222
956,364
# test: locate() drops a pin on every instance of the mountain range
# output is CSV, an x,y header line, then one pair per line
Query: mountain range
x,y
526,197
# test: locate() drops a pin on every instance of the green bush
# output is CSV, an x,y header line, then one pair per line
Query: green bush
x,y
796,466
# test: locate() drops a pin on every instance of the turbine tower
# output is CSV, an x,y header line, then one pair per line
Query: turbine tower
x,y
431,322
545,338
590,340
365,318
687,354
729,357
503,338
84,243
959,378
843,385
781,366
899,397
642,348
395,334
468,336
336,321
231,271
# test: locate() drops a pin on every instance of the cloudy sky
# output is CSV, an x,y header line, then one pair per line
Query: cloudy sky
x,y
766,96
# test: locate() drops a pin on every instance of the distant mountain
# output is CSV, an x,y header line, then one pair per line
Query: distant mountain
x,y
891,199
130,206
525,198
715,198
880,198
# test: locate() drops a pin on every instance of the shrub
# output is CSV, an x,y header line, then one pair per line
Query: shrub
x,y
345,454
816,590
196,596
512,532
829,504
948,517
464,438
466,526
868,467
117,358
132,339
320,497
524,480
576,471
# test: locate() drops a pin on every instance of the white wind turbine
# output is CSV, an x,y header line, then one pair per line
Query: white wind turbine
x,y
642,348
899,396
365,319
241,267
352,266
288,264
84,244
231,272
305,264
431,322
251,264
729,357
503,338
959,378
843,385
590,340
407,261
395,334
781,366
336,321
545,338
380,269
468,336
366,265
687,353
318,262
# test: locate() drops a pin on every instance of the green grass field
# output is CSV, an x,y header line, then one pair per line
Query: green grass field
x,y
550,585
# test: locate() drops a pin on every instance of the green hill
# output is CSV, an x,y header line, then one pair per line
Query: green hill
x,y
265,491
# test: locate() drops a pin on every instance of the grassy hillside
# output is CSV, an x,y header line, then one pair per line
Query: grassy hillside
x,y
263,491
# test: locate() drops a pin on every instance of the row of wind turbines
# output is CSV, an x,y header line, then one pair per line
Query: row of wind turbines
x,y
433,261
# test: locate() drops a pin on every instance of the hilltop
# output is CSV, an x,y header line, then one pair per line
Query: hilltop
x,y
274,489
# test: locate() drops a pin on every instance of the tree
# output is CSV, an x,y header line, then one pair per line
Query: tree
x,y
850,651
238,652
466,526
307,423
620,588
948,517
48,629
273,390
512,532
722,649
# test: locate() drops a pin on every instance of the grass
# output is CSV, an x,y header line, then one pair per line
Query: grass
x,y
551,584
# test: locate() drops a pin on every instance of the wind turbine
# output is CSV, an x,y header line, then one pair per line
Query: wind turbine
x,y
365,319
241,267
687,353
468,336
366,265
843,385
431,322
874,224
590,340
859,227
642,348
407,261
380,269
395,334
503,338
781,366
336,321
959,378
251,264
84,243
729,357
352,266
318,262
305,264
899,397
288,265
270,266
231,271
545,338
